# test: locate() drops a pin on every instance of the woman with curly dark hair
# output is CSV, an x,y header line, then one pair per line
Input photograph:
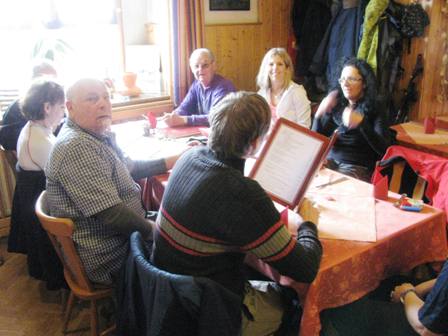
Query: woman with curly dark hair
x,y
353,109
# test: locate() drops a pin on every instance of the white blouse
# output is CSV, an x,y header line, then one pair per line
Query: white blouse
x,y
294,104
34,145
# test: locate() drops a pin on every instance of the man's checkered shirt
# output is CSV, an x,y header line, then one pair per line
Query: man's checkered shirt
x,y
86,174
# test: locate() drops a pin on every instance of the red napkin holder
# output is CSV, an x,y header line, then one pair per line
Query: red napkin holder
x,y
152,120
429,125
381,189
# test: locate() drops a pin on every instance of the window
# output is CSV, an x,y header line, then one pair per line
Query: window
x,y
101,38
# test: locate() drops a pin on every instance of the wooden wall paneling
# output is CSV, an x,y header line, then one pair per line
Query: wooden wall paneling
x,y
225,47
212,44
436,52
408,61
433,52
272,25
246,51
239,48
430,45
283,22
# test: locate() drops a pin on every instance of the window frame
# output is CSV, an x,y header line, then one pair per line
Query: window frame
x,y
135,106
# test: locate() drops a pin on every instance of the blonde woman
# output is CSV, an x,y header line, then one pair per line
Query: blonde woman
x,y
286,99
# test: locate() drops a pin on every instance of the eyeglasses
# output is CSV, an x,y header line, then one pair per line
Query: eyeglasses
x,y
349,80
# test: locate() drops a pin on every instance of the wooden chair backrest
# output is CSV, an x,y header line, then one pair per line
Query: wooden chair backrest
x,y
7,97
60,230
11,158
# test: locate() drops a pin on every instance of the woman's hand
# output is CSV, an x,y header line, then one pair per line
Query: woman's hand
x,y
425,287
351,118
398,290
327,104
355,119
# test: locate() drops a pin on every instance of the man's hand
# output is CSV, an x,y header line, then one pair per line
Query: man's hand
x,y
173,120
171,160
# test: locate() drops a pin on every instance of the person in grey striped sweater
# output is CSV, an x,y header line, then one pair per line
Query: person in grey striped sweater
x,y
212,215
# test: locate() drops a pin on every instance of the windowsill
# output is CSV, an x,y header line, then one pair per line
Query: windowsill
x,y
132,108
120,101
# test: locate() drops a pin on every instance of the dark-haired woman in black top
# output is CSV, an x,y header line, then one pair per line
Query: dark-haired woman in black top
x,y
354,109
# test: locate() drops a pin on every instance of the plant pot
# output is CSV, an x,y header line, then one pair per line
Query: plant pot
x,y
129,79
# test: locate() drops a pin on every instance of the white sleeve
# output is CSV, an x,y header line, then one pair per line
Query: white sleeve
x,y
295,106
302,106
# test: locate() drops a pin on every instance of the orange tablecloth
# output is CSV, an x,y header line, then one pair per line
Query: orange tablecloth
x,y
411,134
351,269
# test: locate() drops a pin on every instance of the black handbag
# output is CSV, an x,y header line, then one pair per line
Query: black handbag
x,y
409,20
413,20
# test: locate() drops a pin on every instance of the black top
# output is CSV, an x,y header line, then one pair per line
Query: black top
x,y
12,124
363,145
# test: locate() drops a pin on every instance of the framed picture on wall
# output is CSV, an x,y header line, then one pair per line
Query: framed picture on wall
x,y
231,5
221,12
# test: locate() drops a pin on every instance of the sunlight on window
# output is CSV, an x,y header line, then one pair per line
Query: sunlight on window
x,y
86,11
85,38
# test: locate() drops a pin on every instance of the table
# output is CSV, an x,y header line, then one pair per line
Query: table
x,y
411,134
131,140
350,269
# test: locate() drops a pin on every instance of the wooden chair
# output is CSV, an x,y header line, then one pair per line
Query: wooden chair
x,y
60,231
11,158
7,97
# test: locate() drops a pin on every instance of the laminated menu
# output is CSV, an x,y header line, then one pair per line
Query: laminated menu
x,y
289,160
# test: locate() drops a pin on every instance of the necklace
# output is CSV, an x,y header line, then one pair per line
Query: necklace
x,y
278,95
352,105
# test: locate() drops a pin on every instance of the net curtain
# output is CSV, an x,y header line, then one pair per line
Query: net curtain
x,y
188,35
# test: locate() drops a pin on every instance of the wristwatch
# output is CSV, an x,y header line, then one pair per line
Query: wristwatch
x,y
403,295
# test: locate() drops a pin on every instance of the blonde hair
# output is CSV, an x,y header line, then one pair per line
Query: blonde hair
x,y
263,81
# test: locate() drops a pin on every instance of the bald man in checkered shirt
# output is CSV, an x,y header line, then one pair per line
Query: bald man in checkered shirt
x,y
89,181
